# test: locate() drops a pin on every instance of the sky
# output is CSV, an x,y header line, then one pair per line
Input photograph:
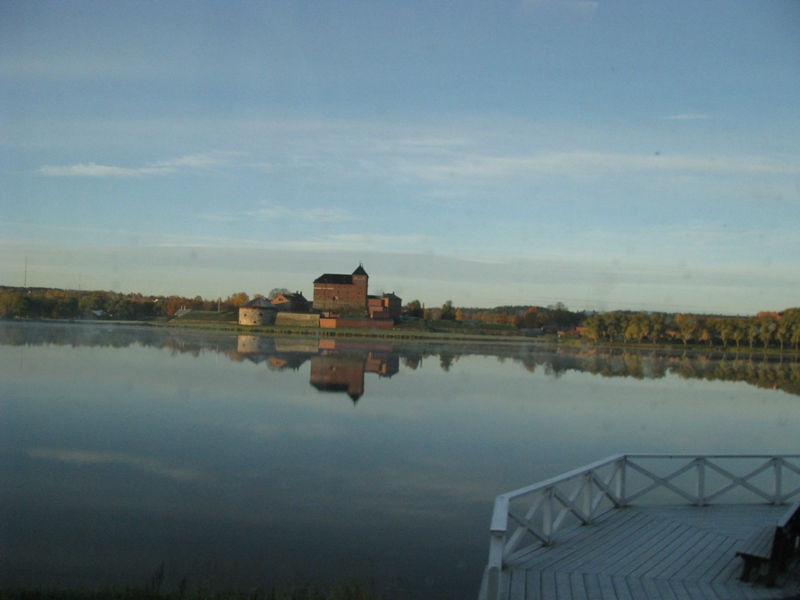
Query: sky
x,y
607,155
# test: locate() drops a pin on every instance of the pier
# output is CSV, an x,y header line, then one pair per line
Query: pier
x,y
642,527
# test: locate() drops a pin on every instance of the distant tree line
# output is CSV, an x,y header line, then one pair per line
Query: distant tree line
x,y
520,317
765,330
51,303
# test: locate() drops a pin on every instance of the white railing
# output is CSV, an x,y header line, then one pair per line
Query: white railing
x,y
532,516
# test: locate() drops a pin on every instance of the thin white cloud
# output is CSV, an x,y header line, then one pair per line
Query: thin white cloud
x,y
687,117
269,211
191,162
95,170
477,166
359,241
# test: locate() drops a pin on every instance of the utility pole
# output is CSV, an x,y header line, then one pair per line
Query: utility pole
x,y
26,273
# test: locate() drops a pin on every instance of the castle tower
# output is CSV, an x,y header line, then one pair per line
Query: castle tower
x,y
361,282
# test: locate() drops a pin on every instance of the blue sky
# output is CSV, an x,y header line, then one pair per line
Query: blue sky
x,y
603,154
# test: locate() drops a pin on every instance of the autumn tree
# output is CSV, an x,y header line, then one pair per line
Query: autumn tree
x,y
595,329
687,326
234,301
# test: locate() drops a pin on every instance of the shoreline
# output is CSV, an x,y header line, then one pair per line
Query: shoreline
x,y
434,336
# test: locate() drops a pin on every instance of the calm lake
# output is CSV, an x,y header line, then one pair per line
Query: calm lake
x,y
240,461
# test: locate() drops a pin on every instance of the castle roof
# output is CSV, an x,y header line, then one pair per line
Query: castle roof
x,y
340,279
334,278
258,303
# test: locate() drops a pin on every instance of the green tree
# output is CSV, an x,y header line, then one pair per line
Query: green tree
x,y
753,331
739,331
415,309
614,325
783,333
705,331
448,311
638,327
767,325
795,337
658,327
724,328
633,330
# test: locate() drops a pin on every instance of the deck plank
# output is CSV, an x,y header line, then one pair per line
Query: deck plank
x,y
658,553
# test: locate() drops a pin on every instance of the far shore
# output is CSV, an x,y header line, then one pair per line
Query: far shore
x,y
432,334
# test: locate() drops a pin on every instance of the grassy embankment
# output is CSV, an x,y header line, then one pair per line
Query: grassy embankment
x,y
155,589
345,591
411,329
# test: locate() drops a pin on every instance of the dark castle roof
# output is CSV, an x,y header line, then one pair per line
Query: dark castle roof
x,y
340,279
332,278
258,303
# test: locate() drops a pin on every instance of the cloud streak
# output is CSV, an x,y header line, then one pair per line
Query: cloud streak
x,y
687,117
188,163
577,164
358,241
275,211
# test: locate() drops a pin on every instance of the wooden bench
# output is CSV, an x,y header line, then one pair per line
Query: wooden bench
x,y
774,546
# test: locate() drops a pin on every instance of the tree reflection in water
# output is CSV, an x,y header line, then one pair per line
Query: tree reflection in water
x,y
340,364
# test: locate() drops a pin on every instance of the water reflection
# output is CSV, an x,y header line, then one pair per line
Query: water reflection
x,y
230,459
336,365
339,365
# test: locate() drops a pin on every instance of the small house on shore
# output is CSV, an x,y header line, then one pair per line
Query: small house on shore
x,y
291,302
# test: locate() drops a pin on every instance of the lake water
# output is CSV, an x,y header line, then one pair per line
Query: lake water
x,y
239,461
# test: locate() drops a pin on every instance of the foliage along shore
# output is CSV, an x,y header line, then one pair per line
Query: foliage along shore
x,y
767,331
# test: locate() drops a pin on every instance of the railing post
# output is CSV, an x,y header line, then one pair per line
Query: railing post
x,y
587,496
547,516
777,465
494,570
620,489
497,544
701,481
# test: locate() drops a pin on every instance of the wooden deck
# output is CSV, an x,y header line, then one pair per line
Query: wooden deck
x,y
640,526
648,552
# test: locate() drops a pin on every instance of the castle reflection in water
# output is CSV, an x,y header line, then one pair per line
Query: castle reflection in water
x,y
336,365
